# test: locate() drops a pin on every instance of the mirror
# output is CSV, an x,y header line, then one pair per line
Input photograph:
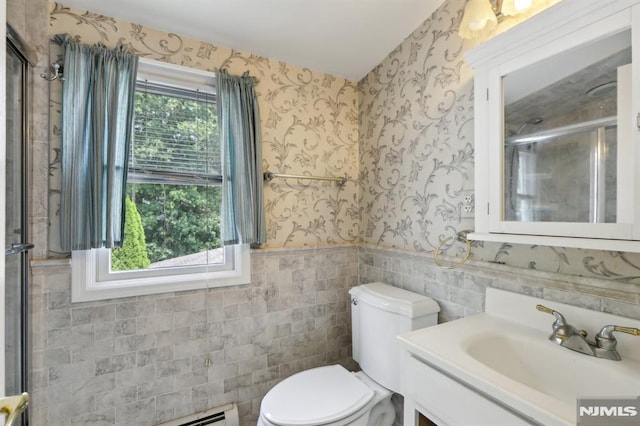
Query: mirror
x,y
560,132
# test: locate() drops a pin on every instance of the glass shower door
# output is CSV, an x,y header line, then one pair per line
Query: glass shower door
x,y
16,245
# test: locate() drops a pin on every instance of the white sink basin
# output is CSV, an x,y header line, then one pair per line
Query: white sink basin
x,y
553,370
505,354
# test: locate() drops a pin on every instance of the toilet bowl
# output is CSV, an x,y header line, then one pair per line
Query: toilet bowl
x,y
329,395
334,396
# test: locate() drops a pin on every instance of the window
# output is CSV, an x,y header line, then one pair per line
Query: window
x,y
172,229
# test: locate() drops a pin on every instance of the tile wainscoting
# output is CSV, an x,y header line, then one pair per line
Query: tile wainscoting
x,y
141,360
460,292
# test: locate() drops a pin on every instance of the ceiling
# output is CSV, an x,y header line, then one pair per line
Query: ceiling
x,y
345,38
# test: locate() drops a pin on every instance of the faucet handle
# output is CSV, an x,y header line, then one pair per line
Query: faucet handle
x,y
605,339
607,331
544,309
559,322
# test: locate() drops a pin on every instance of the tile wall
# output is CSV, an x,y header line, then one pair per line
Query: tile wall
x,y
142,361
460,292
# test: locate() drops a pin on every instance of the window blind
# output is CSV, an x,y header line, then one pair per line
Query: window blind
x,y
175,136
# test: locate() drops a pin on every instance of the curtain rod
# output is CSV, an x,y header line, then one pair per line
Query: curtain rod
x,y
268,176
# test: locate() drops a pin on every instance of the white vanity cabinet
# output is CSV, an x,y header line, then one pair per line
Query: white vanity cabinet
x,y
500,368
557,128
443,400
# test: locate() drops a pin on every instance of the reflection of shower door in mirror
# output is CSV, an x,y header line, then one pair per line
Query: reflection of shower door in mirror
x,y
16,251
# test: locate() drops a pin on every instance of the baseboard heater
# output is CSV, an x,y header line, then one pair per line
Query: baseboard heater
x,y
226,415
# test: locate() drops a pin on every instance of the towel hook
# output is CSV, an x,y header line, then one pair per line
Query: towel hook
x,y
56,72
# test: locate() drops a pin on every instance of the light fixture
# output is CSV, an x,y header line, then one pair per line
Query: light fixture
x,y
479,19
480,16
514,7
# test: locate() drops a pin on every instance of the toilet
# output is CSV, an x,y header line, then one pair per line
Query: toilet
x,y
332,395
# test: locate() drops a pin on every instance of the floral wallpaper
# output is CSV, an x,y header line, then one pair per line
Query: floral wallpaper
x,y
309,126
416,117
403,136
417,157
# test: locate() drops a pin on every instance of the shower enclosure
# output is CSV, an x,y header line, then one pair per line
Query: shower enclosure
x,y
16,244
561,152
564,174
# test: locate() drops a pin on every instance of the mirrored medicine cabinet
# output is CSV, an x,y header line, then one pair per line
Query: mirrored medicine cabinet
x,y
557,129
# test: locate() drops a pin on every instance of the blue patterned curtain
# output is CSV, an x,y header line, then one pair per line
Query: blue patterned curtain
x,y
239,123
97,113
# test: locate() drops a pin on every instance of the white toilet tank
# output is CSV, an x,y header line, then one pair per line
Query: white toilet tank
x,y
379,313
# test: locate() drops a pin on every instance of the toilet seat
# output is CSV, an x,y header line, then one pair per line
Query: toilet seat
x,y
317,396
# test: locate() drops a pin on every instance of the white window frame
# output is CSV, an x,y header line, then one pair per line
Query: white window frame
x,y
92,278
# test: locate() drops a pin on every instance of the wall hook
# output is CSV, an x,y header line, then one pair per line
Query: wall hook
x,y
55,72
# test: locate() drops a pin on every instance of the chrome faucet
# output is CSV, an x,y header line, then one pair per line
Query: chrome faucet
x,y
604,345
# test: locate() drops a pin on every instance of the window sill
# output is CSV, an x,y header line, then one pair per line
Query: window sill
x,y
85,285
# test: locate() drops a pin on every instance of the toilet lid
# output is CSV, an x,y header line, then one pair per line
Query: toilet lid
x,y
314,397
